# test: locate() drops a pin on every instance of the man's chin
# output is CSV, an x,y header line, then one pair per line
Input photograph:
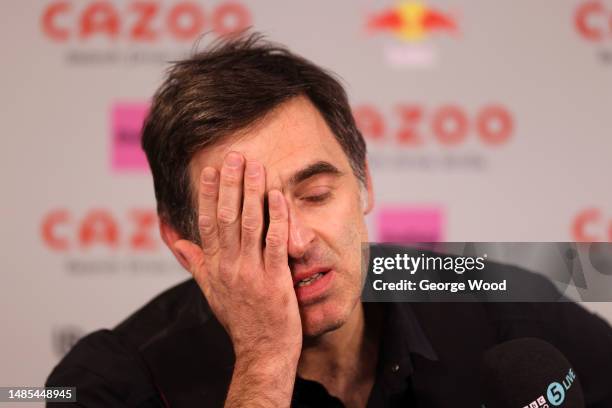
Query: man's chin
x,y
319,319
317,330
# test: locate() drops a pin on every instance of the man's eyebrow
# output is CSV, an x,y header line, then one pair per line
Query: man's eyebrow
x,y
314,169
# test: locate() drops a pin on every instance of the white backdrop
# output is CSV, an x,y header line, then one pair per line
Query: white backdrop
x,y
494,126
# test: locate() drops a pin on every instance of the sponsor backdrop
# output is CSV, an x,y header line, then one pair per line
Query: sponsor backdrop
x,y
486,121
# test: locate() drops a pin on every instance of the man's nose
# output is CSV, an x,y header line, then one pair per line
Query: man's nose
x,y
300,235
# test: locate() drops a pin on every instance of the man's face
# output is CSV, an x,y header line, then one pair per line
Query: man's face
x,y
326,217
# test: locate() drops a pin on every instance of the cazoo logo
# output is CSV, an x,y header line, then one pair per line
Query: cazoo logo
x,y
593,20
140,21
592,225
414,125
62,230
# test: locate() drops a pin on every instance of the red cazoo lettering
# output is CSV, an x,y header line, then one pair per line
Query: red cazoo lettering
x,y
590,225
140,20
137,230
593,20
449,125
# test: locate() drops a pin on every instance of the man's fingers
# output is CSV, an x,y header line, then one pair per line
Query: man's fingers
x,y
252,210
207,211
275,254
230,203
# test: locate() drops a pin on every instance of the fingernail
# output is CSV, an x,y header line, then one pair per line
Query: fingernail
x,y
233,159
252,169
209,175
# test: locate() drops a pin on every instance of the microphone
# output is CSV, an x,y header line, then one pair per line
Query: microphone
x,y
529,373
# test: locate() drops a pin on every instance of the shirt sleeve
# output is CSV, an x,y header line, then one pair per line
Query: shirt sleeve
x,y
106,373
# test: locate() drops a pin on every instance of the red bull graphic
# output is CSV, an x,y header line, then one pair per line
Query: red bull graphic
x,y
411,23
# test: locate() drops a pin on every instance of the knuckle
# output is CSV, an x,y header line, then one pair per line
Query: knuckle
x,y
274,240
210,248
248,243
251,187
209,191
226,241
206,225
227,215
230,179
277,218
251,223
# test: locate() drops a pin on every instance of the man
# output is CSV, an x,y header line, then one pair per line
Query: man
x,y
262,186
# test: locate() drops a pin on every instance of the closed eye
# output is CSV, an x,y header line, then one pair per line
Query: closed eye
x,y
319,198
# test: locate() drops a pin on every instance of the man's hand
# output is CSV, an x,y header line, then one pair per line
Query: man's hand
x,y
249,288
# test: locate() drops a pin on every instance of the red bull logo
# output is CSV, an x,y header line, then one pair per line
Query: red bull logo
x,y
412,21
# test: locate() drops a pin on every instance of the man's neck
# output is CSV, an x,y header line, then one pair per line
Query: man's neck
x,y
344,360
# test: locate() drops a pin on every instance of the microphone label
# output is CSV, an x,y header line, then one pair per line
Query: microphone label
x,y
555,392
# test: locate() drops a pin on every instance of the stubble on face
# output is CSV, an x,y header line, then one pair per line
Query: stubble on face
x,y
347,257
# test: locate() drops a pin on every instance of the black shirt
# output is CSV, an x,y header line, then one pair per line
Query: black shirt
x,y
173,352
402,339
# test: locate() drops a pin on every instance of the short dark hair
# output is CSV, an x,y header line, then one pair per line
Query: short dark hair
x,y
224,89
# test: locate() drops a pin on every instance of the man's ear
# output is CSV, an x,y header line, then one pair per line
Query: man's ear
x,y
170,236
368,200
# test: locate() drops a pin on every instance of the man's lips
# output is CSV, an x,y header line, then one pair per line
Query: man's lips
x,y
312,284
305,274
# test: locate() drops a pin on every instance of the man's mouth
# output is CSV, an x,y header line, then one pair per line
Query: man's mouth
x,y
308,276
309,280
311,284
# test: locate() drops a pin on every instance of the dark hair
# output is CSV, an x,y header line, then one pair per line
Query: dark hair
x,y
224,89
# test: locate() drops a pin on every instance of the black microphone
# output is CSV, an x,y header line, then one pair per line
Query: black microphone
x,y
529,373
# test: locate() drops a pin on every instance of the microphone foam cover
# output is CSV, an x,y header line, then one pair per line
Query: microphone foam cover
x,y
521,372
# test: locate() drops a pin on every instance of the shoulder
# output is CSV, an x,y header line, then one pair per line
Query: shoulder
x,y
583,337
105,371
179,307
109,367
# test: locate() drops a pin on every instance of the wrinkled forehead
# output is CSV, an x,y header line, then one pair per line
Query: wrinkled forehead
x,y
289,138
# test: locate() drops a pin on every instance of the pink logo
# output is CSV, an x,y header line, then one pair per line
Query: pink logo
x,y
126,127
410,224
